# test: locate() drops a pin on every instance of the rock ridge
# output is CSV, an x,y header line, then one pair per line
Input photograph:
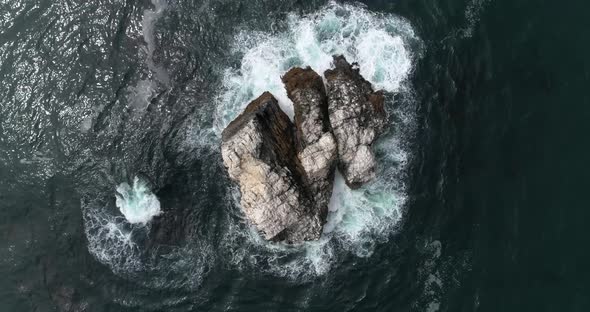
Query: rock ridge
x,y
284,169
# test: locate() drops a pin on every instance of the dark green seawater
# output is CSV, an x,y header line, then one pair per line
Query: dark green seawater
x,y
480,201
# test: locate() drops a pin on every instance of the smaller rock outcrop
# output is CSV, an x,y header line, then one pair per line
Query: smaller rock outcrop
x,y
258,149
357,117
316,146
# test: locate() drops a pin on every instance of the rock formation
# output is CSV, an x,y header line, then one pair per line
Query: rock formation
x,y
316,146
259,152
357,117
285,171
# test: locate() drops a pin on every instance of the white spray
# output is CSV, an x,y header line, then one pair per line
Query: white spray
x,y
137,203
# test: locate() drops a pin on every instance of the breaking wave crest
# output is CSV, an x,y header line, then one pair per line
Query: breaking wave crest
x,y
381,44
137,203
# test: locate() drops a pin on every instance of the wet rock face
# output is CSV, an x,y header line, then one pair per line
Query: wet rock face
x,y
285,170
259,152
357,117
316,146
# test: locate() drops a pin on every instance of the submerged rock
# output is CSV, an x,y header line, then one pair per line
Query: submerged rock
x,y
316,146
357,117
259,152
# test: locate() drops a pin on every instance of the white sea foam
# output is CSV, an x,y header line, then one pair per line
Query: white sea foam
x,y
110,240
116,243
137,203
381,44
119,241
385,46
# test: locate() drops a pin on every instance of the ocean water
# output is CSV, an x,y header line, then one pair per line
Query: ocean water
x,y
113,196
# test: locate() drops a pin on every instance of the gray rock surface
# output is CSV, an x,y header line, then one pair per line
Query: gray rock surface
x,y
316,146
259,152
285,170
357,118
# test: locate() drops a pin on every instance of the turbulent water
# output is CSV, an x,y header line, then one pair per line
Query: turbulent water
x,y
114,198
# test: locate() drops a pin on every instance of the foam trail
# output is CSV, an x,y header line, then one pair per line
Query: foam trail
x,y
110,240
148,25
385,46
137,203
472,13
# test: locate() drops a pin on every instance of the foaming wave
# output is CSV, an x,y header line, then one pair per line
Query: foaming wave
x,y
125,247
110,240
385,47
138,204
381,44
121,246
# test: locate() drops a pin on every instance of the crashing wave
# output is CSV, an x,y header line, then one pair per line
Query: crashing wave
x,y
137,203
381,45
121,246
121,235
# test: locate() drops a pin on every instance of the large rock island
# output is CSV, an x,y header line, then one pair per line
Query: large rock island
x,y
285,170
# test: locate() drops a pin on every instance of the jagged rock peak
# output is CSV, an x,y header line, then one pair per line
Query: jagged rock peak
x,y
285,170
259,153
316,146
357,117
